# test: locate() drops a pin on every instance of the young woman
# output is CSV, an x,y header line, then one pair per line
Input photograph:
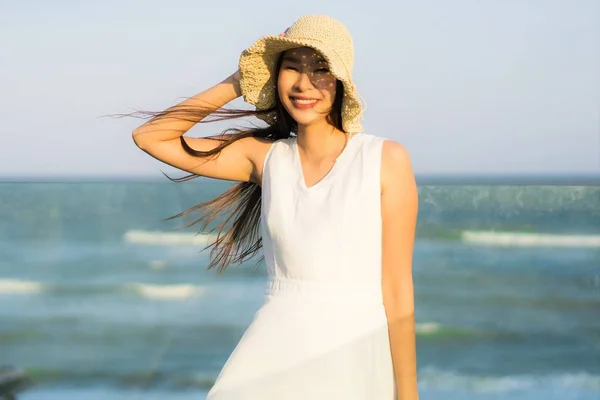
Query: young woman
x,y
337,211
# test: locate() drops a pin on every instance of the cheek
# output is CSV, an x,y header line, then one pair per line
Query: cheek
x,y
327,85
283,84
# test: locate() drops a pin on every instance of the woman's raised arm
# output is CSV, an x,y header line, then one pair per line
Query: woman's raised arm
x,y
161,138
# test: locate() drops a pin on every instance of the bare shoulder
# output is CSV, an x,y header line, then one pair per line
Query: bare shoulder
x,y
256,151
396,169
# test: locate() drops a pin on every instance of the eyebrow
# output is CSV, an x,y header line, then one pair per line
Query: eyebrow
x,y
296,60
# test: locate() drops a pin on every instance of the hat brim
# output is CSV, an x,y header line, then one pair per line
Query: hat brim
x,y
258,81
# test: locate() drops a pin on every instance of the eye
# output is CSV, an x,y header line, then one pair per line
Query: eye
x,y
291,68
322,70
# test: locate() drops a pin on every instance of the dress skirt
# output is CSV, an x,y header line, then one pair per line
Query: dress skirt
x,y
308,341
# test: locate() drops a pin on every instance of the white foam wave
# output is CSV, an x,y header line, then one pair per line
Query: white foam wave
x,y
167,292
428,328
17,286
167,238
522,239
431,378
158,265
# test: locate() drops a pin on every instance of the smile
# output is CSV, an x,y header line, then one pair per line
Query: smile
x,y
304,103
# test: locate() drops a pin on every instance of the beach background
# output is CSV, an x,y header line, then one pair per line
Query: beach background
x,y
101,298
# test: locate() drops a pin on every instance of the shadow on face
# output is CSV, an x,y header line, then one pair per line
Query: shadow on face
x,y
307,89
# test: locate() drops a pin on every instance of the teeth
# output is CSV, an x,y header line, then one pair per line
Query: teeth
x,y
299,101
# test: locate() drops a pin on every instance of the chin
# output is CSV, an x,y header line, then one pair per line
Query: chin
x,y
307,119
302,120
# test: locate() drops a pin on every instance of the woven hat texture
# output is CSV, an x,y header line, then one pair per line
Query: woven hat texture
x,y
324,34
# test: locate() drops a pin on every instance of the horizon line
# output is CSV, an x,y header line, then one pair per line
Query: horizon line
x,y
578,179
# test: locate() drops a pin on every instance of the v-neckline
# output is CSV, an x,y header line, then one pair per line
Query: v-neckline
x,y
329,174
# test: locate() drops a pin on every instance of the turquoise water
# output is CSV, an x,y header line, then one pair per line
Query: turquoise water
x,y
103,299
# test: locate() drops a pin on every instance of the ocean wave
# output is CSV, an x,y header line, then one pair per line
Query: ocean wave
x,y
166,292
146,290
489,238
428,328
168,238
18,286
429,379
436,331
432,378
524,239
134,379
193,334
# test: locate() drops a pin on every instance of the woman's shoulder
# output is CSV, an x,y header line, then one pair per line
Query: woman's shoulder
x,y
396,165
394,155
388,144
263,146
280,143
380,142
372,137
267,149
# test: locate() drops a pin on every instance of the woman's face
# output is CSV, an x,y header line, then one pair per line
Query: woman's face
x,y
306,88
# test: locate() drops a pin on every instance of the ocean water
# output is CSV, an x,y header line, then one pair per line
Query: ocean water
x,y
101,298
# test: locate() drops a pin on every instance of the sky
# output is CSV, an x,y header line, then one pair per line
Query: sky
x,y
469,87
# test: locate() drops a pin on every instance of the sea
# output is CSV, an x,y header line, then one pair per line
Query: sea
x,y
102,297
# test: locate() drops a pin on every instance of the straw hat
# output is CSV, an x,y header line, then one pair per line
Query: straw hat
x,y
322,33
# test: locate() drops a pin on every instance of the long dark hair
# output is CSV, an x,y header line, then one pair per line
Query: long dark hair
x,y
238,237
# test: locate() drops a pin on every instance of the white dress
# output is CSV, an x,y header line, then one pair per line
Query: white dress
x,y
322,330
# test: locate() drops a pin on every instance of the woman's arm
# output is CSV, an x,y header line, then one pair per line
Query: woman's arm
x,y
160,138
399,202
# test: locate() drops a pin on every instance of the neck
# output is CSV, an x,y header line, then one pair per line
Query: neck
x,y
321,142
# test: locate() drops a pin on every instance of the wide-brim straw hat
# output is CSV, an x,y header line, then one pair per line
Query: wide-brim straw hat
x,y
322,33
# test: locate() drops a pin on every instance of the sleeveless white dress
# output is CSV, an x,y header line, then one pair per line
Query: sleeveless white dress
x,y
322,330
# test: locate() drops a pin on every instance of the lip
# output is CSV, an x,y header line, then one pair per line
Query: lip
x,y
301,106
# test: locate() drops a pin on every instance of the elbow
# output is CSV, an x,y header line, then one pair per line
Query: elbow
x,y
137,139
397,311
398,293
399,305
399,316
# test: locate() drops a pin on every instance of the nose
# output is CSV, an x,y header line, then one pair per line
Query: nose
x,y
303,83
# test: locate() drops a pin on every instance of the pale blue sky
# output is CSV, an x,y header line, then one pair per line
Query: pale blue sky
x,y
468,86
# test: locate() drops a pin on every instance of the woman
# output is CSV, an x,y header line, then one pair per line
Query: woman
x,y
337,210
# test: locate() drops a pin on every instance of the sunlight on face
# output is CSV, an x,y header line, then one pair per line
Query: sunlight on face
x,y
306,87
